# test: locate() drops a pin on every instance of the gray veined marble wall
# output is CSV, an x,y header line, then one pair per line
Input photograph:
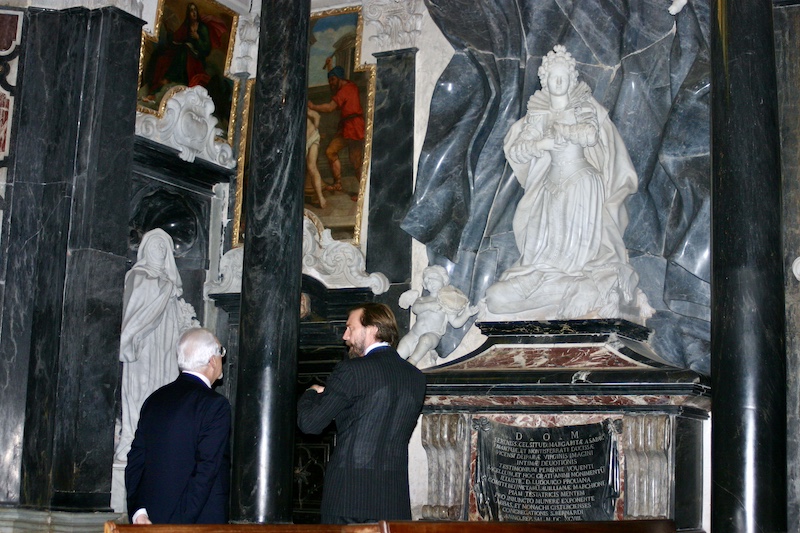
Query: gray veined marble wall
x,y
651,70
787,28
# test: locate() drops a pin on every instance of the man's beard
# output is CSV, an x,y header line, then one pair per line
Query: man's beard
x,y
356,349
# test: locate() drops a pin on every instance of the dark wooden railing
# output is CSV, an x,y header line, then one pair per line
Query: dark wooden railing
x,y
625,526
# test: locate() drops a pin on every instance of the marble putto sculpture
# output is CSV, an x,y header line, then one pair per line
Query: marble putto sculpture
x,y
154,316
568,225
443,305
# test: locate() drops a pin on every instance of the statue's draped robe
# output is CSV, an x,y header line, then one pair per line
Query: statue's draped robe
x,y
153,318
572,236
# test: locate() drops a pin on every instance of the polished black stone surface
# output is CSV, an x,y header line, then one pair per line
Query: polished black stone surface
x,y
787,55
265,403
688,463
72,151
747,311
650,70
392,170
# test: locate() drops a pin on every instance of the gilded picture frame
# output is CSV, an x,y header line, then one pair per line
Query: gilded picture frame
x,y
334,34
191,44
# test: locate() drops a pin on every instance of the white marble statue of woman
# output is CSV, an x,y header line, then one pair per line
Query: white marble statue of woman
x,y
153,317
443,305
568,226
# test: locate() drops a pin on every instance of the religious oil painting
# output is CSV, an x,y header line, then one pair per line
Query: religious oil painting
x,y
191,46
341,93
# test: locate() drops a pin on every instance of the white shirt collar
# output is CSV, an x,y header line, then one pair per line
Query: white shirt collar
x,y
376,345
199,375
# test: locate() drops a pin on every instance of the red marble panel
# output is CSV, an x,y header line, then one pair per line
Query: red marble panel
x,y
597,401
542,356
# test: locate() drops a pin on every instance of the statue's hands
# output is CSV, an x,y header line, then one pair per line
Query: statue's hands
x,y
523,151
407,299
552,144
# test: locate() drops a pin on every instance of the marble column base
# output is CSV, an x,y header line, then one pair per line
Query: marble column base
x,y
13,520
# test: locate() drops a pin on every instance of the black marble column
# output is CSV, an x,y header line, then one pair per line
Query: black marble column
x,y
392,170
270,320
747,335
72,153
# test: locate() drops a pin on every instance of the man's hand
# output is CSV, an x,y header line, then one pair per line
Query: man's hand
x,y
142,520
319,388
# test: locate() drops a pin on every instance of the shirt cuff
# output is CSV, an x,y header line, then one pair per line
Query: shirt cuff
x,y
137,514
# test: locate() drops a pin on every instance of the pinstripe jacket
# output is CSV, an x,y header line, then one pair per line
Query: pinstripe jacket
x,y
375,401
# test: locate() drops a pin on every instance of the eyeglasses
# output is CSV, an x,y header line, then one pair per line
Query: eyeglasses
x,y
222,352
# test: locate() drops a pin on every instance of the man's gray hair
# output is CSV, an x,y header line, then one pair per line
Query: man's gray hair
x,y
196,347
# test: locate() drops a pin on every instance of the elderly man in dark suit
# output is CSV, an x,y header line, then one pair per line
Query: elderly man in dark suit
x,y
178,468
375,398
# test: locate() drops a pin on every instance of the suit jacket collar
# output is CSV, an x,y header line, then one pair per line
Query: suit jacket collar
x,y
375,346
193,378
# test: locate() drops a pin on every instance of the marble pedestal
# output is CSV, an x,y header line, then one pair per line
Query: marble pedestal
x,y
535,375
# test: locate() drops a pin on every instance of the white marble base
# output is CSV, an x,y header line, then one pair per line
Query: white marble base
x,y
13,520
118,494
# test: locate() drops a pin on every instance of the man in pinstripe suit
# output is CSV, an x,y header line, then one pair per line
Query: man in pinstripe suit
x,y
375,397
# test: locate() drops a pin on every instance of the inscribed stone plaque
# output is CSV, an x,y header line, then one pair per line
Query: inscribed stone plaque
x,y
567,473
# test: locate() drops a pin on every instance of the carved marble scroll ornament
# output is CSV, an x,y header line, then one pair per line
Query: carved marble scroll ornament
x,y
154,316
568,225
189,126
337,264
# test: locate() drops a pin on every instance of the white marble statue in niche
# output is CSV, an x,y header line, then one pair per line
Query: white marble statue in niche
x,y
154,316
568,226
443,305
